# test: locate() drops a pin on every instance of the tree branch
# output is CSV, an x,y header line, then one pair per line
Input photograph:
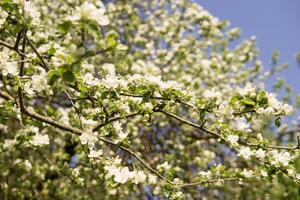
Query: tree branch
x,y
3,43
6,96
112,119
200,127
44,65
208,181
139,159
161,98
75,108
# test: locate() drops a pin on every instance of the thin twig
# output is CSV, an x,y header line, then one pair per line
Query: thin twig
x,y
273,146
21,73
208,181
22,70
200,127
44,65
19,37
3,43
116,118
161,98
6,96
138,158
75,108
59,169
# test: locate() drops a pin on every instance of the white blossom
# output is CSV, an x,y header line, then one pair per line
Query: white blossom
x,y
123,175
247,173
28,164
152,179
249,89
6,67
110,170
183,73
268,112
39,82
31,12
259,137
76,172
88,137
277,105
119,130
245,152
8,143
88,123
233,139
89,79
33,129
169,84
242,125
3,16
225,111
212,94
110,82
205,174
88,67
90,11
282,158
12,68
260,153
164,166
291,172
95,153
264,173
139,177
39,140
205,63
110,68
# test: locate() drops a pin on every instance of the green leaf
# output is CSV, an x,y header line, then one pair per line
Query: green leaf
x,y
112,39
235,99
202,115
53,76
52,50
92,28
271,171
144,91
104,94
141,89
6,111
69,76
262,98
248,102
65,27
278,121
147,95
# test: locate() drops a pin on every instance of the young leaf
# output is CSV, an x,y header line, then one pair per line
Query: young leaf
x,y
69,76
278,121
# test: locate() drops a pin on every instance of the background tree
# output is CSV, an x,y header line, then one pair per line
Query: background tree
x,y
137,100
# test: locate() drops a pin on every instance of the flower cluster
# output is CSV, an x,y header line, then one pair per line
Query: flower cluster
x,y
7,67
39,140
91,12
123,175
3,16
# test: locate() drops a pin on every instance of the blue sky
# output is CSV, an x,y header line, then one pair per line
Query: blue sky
x,y
275,23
